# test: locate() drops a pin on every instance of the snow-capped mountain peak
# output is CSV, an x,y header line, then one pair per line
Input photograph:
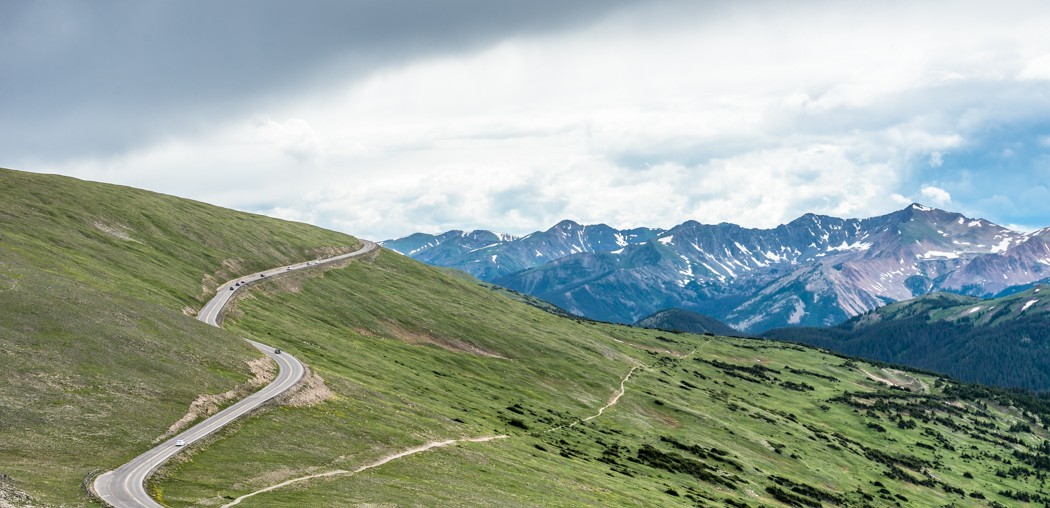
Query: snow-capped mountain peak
x,y
813,270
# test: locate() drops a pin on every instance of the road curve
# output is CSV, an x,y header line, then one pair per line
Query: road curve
x,y
124,487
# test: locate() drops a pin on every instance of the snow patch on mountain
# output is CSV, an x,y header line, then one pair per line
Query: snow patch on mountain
x,y
688,272
938,254
855,246
1003,245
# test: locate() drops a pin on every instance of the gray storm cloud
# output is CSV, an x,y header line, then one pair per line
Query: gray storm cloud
x,y
103,77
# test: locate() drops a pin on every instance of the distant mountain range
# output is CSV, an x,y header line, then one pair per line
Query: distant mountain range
x,y
489,256
1003,341
813,271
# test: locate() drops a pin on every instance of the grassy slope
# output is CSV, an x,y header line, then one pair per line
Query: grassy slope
x,y
369,330
96,356
389,336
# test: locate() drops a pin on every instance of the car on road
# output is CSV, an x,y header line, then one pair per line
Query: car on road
x,y
232,288
179,442
277,351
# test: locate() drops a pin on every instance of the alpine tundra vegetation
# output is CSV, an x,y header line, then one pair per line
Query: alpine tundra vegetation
x,y
438,390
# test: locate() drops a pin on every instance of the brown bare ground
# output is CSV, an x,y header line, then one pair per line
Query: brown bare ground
x,y
909,382
327,252
10,497
452,344
118,231
661,417
263,371
210,281
290,283
309,391
232,265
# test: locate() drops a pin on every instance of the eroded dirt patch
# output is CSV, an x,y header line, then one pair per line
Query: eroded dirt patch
x,y
327,252
310,390
10,497
290,283
210,281
900,379
118,231
263,371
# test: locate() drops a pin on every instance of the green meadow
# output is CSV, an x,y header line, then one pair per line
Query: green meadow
x,y
100,354
414,356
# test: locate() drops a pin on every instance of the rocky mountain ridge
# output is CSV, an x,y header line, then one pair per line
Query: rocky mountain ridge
x,y
487,255
813,271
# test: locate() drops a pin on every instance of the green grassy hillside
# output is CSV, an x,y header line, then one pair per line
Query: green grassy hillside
x,y
415,356
410,355
97,357
1002,341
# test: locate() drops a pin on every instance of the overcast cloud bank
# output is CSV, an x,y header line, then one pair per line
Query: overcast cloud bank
x,y
381,119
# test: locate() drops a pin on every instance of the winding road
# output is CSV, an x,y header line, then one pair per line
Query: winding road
x,y
124,487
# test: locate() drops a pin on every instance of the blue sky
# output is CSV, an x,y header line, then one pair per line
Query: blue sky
x,y
1004,171
385,118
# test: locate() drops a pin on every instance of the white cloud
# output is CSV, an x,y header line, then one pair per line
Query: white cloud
x,y
294,137
936,195
900,199
1036,69
653,117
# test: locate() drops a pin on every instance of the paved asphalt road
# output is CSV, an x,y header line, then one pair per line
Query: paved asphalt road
x,y
124,487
